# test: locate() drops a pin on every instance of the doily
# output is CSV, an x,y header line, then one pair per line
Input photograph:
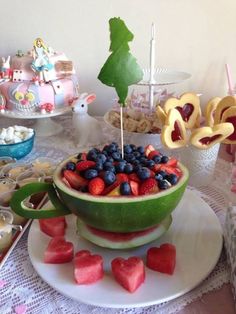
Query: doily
x,y
24,286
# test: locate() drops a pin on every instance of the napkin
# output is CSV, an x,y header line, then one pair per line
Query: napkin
x,y
230,243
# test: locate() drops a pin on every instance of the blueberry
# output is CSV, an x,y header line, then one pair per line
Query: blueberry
x,y
90,174
163,185
70,166
111,168
105,153
133,147
120,166
143,173
162,173
128,168
158,177
157,159
127,149
130,158
172,178
92,155
116,156
110,159
149,163
137,154
108,165
141,149
136,162
143,159
101,157
125,188
111,148
109,177
98,166
137,168
164,159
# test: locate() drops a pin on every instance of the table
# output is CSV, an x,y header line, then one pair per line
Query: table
x,y
21,286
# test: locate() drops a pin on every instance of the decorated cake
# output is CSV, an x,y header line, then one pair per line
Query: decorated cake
x,y
40,80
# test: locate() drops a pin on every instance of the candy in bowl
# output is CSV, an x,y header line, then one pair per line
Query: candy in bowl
x,y
117,200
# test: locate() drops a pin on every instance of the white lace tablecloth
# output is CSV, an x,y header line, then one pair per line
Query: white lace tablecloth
x,y
21,286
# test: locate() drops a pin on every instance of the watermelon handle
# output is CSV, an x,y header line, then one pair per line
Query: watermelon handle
x,y
56,208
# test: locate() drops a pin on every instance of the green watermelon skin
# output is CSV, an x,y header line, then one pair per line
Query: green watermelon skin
x,y
122,214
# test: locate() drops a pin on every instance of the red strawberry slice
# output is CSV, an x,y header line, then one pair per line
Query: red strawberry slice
x,y
96,186
134,187
88,268
153,153
172,162
59,251
53,227
148,186
134,177
129,273
170,170
84,165
74,179
148,150
162,259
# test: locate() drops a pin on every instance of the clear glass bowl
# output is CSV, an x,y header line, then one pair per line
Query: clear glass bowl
x,y
17,150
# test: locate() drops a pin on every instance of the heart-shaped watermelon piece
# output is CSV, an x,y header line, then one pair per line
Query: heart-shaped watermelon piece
x,y
162,259
88,268
53,227
129,273
59,251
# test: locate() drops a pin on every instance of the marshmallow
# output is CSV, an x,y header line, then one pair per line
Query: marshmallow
x,y
15,134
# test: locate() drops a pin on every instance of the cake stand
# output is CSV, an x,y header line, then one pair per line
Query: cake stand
x,y
163,76
44,125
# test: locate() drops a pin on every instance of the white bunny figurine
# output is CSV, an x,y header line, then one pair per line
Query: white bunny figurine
x,y
87,130
5,67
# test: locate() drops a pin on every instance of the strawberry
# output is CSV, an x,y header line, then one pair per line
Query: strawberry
x,y
153,153
156,167
74,179
172,162
85,164
96,186
122,177
170,170
134,187
148,186
134,177
148,150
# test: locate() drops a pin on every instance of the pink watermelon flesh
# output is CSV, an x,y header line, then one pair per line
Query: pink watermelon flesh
x,y
129,273
88,268
162,259
118,240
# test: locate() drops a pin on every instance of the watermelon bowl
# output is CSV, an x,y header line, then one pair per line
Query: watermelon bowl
x,y
113,222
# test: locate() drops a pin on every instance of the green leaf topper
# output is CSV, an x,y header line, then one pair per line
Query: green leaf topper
x,y
121,69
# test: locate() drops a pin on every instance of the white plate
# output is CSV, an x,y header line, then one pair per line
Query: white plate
x,y
196,233
34,115
164,76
